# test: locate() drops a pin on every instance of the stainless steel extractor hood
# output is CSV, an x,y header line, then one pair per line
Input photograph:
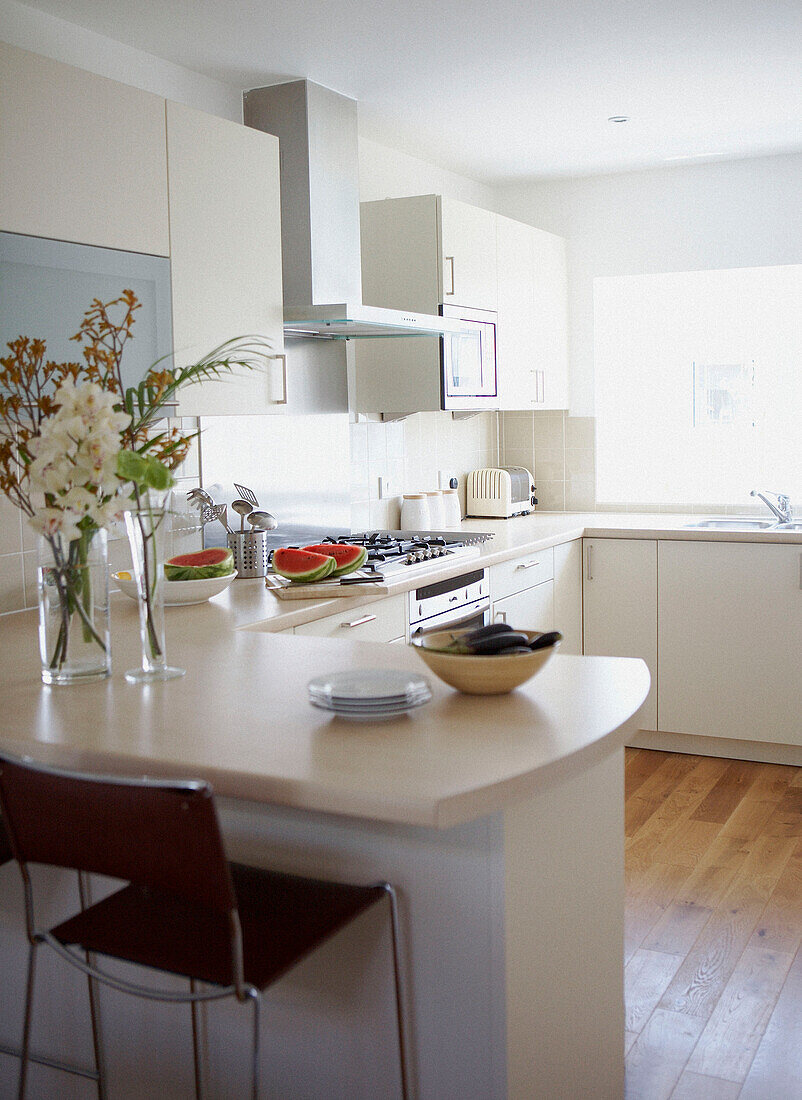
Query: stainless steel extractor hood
x,y
317,132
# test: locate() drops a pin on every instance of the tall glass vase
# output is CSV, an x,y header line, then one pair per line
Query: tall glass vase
x,y
147,531
73,590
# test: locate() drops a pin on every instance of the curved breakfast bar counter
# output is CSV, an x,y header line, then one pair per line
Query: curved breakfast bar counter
x,y
499,819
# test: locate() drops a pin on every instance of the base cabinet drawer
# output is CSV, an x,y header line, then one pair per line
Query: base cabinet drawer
x,y
383,621
532,609
521,573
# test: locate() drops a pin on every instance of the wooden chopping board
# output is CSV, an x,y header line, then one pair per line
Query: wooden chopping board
x,y
322,590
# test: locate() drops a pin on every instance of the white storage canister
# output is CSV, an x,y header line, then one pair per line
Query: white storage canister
x,y
437,517
415,512
453,512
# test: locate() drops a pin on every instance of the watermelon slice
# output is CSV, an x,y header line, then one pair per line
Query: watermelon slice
x,y
347,557
302,565
200,566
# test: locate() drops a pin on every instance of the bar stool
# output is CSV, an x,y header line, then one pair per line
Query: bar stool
x,y
6,856
186,909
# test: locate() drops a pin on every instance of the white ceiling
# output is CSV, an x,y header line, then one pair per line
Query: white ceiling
x,y
506,90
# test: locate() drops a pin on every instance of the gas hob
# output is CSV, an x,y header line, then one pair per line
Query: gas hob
x,y
394,553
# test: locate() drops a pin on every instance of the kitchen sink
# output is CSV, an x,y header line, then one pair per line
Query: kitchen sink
x,y
793,525
734,523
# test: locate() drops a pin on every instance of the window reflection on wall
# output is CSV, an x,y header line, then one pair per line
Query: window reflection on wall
x,y
698,385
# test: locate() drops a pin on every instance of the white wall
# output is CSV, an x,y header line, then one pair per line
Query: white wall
x,y
386,173
728,214
44,34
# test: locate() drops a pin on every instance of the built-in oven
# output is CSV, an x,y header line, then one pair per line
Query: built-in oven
x,y
458,603
469,375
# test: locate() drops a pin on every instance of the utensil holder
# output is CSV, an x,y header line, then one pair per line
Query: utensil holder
x,y
250,552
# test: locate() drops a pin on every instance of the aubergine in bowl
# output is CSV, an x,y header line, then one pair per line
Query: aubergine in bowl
x,y
490,660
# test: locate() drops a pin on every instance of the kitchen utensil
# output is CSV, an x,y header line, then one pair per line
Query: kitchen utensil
x,y
224,518
247,494
212,512
200,497
262,521
250,552
243,508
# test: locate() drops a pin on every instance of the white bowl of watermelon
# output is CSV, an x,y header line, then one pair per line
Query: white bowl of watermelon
x,y
191,578
326,561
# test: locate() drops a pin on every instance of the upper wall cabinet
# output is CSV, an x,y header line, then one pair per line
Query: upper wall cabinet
x,y
532,318
83,157
421,252
468,236
225,250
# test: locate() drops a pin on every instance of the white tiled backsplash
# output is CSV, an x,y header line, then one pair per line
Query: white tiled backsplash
x,y
410,453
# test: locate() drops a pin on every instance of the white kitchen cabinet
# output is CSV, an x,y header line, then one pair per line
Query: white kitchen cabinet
x,y
468,250
532,317
531,609
381,621
418,253
730,640
87,153
620,606
568,595
523,591
225,238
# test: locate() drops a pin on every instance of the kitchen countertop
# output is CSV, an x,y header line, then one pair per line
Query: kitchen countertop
x,y
240,718
247,603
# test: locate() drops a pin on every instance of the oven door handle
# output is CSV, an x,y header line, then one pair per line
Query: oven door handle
x,y
452,620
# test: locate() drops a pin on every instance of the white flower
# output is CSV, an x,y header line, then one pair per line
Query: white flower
x,y
75,459
54,521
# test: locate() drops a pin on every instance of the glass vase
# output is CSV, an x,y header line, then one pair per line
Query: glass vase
x,y
73,590
147,532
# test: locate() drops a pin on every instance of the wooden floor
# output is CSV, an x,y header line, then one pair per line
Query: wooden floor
x,y
714,928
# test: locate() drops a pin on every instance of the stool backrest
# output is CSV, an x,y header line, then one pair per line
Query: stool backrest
x,y
5,848
156,834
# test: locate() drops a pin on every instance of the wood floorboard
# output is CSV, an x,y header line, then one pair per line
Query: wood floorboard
x,y
695,1086
776,1070
714,929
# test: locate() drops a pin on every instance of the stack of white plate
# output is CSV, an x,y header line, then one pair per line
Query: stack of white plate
x,y
369,693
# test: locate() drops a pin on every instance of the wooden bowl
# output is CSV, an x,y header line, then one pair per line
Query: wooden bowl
x,y
475,675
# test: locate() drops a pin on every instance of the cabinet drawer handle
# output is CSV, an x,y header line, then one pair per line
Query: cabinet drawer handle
x,y
450,261
359,622
527,565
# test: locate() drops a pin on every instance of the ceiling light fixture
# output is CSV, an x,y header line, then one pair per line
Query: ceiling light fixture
x,y
618,118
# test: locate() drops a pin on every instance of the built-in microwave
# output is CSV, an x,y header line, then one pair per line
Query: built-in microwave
x,y
469,376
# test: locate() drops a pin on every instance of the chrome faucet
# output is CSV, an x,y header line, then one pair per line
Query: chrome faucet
x,y
782,509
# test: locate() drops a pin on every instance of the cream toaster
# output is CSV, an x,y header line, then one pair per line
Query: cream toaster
x,y
500,492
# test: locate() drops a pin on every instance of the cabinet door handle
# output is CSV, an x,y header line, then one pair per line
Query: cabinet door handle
x,y
500,617
590,573
527,564
450,261
358,622
283,400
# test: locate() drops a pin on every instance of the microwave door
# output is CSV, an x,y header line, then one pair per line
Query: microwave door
x,y
464,371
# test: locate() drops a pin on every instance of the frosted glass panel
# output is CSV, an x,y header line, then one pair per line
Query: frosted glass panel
x,y
46,287
698,385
